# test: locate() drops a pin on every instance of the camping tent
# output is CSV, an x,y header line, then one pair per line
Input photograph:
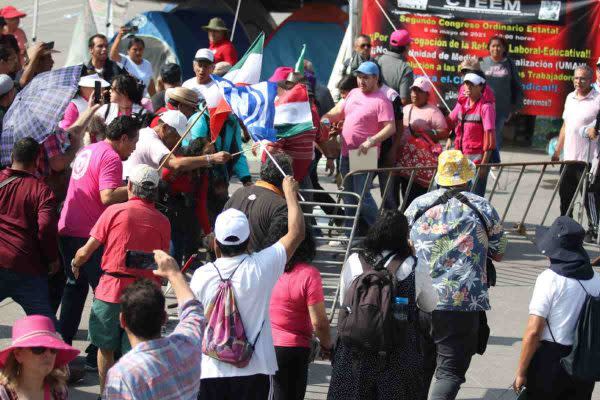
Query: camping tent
x,y
175,36
318,25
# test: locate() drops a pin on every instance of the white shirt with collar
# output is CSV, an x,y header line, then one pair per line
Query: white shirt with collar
x,y
426,295
580,112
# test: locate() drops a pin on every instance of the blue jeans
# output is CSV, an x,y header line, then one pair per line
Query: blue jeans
x,y
28,291
499,126
76,290
356,184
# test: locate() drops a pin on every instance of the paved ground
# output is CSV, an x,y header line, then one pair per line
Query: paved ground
x,y
489,375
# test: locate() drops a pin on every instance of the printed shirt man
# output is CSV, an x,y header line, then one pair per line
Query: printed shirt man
x,y
364,115
97,167
166,368
449,238
579,113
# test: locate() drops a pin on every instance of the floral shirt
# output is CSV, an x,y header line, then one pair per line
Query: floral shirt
x,y
450,239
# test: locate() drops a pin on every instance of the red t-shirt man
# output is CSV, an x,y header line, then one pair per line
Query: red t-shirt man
x,y
224,51
133,225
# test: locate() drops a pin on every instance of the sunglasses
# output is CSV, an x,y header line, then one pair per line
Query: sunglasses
x,y
38,351
365,46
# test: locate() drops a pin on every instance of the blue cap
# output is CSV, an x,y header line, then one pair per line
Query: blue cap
x,y
367,68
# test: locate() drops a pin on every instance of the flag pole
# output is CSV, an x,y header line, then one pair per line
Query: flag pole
x,y
416,61
189,128
264,148
237,13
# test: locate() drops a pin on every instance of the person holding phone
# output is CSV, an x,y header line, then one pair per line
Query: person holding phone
x,y
133,225
134,61
90,92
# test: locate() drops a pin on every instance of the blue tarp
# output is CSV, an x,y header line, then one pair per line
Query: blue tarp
x,y
181,31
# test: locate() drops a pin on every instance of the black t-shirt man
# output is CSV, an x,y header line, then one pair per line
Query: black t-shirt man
x,y
262,203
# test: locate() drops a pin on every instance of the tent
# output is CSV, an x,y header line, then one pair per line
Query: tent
x,y
318,25
175,36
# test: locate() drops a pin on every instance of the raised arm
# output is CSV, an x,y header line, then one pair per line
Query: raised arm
x,y
295,234
114,50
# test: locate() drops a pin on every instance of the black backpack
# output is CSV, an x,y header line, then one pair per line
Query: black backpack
x,y
366,321
583,363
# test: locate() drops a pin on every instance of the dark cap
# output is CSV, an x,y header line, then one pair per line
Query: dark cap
x,y
171,73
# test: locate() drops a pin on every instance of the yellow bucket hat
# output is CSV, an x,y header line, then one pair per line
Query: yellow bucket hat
x,y
454,169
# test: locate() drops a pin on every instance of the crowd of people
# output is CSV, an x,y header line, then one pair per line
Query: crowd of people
x,y
112,182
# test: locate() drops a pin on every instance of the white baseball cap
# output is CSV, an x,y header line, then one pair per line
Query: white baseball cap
x,y
232,227
474,79
205,54
144,175
175,119
90,81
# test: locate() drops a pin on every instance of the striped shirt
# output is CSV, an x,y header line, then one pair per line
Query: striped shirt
x,y
165,368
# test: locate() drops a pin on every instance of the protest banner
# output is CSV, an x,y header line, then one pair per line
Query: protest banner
x,y
547,40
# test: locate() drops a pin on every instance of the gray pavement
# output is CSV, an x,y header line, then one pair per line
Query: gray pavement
x,y
490,375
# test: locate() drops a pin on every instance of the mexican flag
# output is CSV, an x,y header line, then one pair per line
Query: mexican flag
x,y
247,71
292,112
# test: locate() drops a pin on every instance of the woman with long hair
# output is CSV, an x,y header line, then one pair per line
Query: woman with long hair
x,y
360,374
34,365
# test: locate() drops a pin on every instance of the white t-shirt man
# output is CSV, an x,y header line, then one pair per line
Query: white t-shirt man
x,y
142,71
559,300
252,283
149,150
210,92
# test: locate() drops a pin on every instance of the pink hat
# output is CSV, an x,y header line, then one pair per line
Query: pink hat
x,y
400,37
38,331
280,74
422,83
12,12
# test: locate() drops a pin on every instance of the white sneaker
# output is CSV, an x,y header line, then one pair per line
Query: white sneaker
x,y
338,243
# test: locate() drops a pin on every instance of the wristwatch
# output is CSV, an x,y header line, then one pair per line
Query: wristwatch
x,y
370,140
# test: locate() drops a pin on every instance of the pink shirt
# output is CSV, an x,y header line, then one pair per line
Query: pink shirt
x,y
291,296
423,119
96,167
364,116
71,115
578,113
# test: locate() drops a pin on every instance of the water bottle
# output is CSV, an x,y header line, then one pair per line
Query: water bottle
x,y
400,308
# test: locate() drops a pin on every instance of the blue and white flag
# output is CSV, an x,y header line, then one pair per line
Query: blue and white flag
x,y
254,105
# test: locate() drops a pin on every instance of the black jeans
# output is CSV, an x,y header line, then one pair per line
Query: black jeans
x,y
322,197
449,342
392,198
292,374
76,290
252,387
547,380
567,191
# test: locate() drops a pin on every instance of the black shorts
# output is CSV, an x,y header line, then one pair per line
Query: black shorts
x,y
252,387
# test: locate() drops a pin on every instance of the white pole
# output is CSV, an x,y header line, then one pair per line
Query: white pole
x,y
416,61
237,13
109,19
36,6
351,17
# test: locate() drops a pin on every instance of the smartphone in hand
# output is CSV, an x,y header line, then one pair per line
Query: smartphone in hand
x,y
140,260
97,92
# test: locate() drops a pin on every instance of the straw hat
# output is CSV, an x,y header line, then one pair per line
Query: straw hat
x,y
216,24
454,169
183,95
470,63
38,331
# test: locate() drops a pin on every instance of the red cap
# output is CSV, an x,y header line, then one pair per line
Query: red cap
x,y
12,12
400,37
